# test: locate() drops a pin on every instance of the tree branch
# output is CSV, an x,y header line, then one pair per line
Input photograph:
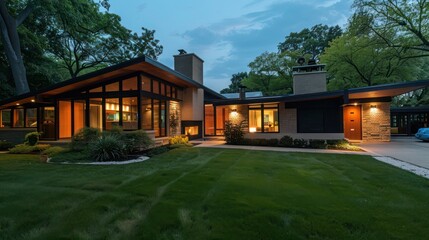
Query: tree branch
x,y
24,14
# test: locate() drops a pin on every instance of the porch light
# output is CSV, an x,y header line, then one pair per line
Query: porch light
x,y
17,104
32,100
373,106
234,110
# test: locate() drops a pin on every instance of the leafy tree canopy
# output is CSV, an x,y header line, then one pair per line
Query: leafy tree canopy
x,y
235,85
310,41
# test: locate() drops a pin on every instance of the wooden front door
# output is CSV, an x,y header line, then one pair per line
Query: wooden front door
x,y
352,123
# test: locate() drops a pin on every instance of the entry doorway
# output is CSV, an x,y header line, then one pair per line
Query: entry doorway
x,y
353,122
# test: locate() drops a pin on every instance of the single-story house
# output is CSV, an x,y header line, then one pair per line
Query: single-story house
x,y
144,94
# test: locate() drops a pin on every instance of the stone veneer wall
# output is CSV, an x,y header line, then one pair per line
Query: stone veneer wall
x,y
242,114
376,122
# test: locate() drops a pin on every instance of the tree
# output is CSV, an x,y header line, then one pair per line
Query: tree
x,y
82,38
408,19
271,73
310,41
235,83
360,58
10,39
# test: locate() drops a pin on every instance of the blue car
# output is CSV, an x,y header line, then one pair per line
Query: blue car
x,y
423,134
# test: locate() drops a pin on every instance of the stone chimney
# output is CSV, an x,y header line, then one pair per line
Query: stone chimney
x,y
309,78
190,65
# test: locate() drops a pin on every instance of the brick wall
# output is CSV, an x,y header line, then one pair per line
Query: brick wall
x,y
376,122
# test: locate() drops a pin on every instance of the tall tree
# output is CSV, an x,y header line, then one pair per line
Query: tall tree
x,y
271,73
235,83
408,19
310,41
10,39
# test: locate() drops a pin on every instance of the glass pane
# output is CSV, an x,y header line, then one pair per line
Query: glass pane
x,y
129,113
114,87
179,94
5,118
162,88
145,84
95,90
209,120
163,119
271,105
64,119
155,87
168,91
255,120
31,117
48,124
271,120
222,115
79,115
129,84
156,120
95,113
112,113
147,114
18,117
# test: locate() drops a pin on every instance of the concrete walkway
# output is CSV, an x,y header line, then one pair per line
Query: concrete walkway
x,y
407,149
221,144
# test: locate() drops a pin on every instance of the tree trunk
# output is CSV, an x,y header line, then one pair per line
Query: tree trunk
x,y
12,48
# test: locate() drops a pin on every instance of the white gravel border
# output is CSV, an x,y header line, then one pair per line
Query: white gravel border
x,y
139,159
423,172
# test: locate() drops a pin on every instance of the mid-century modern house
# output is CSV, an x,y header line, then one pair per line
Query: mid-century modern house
x,y
144,94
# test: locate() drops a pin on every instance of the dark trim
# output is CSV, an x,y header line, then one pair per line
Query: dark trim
x,y
418,83
139,102
419,109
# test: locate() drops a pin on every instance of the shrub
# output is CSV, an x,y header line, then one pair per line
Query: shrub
x,y
136,141
233,133
83,137
41,147
32,138
179,139
22,149
5,145
108,148
317,143
52,151
300,143
336,141
286,141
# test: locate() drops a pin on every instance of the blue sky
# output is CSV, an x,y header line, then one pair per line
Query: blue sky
x,y
227,34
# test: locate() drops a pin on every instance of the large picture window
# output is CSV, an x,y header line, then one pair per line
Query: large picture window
x,y
264,118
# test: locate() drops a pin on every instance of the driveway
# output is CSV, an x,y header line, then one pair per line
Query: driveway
x,y
407,149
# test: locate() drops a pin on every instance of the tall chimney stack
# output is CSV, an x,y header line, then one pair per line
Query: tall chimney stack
x,y
310,78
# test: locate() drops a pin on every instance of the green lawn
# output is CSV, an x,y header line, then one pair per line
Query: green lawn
x,y
197,193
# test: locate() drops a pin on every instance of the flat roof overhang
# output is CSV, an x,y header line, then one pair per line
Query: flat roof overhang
x,y
386,90
136,65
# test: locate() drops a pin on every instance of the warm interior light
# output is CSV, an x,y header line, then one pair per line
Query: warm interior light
x,y
252,129
355,104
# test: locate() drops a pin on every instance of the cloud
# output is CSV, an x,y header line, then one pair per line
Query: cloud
x,y
230,44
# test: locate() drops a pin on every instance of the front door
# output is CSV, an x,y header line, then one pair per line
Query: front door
x,y
352,123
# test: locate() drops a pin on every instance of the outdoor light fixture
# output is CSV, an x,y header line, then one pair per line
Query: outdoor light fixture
x,y
373,106
234,110
32,100
355,104
17,104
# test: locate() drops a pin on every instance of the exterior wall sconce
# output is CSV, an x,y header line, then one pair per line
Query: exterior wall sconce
x,y
373,106
234,110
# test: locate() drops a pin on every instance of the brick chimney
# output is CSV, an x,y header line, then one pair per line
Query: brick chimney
x,y
309,78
